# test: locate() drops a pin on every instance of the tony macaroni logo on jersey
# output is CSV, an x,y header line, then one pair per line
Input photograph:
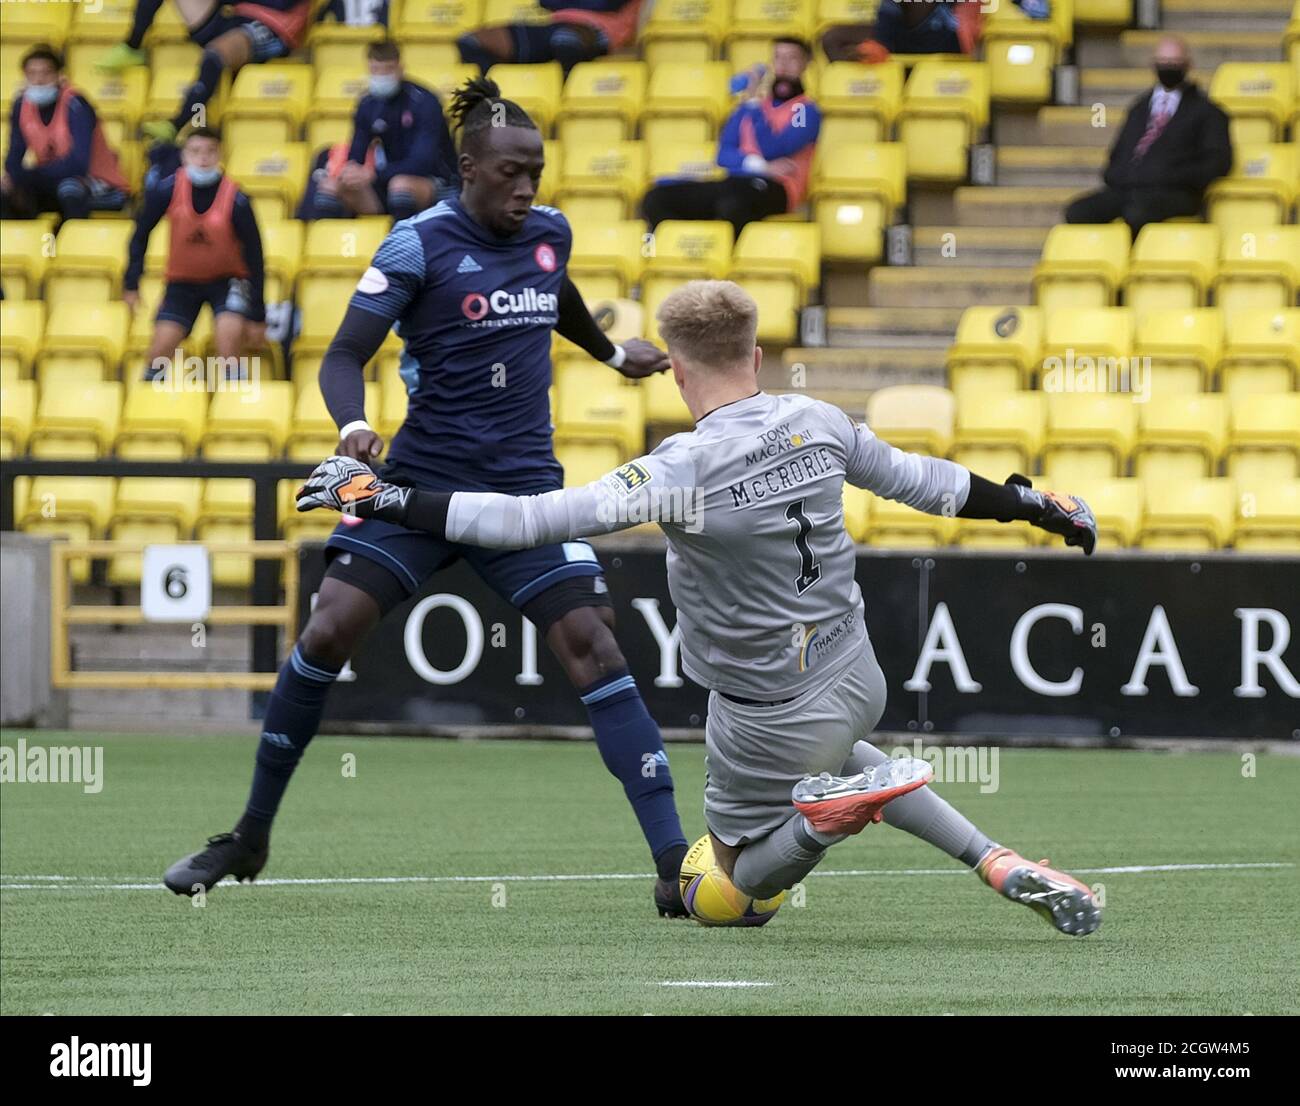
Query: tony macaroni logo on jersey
x,y
780,439
515,308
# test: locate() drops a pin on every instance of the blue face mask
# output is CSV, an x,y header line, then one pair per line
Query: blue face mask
x,y
201,178
385,87
42,95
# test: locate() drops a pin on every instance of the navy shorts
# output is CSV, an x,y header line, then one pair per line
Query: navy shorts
x,y
519,576
565,42
267,45
936,34
183,300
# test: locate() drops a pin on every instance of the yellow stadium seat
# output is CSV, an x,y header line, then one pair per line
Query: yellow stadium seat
x,y
226,500
334,101
893,525
684,30
1184,348
607,177
22,330
1083,346
585,462
1021,54
342,246
778,263
1172,266
150,510
323,302
995,349
1082,266
607,258
76,421
535,88
664,405
17,414
597,405
161,424
1258,97
167,28
117,96
441,77
32,23
1103,13
393,400
858,102
1259,268
1180,437
89,258
856,192
26,247
110,23
1262,352
686,101
314,434
229,570
916,417
698,249
302,526
1268,518
168,86
1117,506
602,101
1264,437
267,103
184,54
945,107
1261,189
1000,433
436,20
272,172
282,255
248,426
857,512
73,507
754,23
1189,515
1090,434
671,161
94,333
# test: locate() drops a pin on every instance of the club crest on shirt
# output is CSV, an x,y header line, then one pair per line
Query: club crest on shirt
x,y
545,257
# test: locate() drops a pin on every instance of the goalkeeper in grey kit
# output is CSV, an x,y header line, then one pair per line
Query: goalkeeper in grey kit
x,y
761,572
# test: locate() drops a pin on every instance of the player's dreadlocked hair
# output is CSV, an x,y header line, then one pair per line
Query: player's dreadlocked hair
x,y
477,106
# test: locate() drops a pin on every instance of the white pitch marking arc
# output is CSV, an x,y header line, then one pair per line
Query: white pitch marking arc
x,y
98,883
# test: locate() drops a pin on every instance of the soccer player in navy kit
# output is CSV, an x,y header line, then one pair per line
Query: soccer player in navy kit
x,y
475,286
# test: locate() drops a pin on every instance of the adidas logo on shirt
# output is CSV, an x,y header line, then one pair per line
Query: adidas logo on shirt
x,y
468,265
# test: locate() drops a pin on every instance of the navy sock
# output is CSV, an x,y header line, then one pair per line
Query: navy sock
x,y
633,751
401,203
141,18
472,52
329,207
202,90
292,718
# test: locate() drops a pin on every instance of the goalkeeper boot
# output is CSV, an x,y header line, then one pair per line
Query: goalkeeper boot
x,y
1060,898
848,804
226,854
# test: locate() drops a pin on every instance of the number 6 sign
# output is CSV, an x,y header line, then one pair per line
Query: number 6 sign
x,y
175,583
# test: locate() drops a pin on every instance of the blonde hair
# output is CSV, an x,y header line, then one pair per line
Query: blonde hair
x,y
713,323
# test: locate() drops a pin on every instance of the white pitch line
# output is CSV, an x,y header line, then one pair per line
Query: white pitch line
x,y
713,983
87,883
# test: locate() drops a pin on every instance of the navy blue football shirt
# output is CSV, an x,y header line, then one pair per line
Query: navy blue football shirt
x,y
475,313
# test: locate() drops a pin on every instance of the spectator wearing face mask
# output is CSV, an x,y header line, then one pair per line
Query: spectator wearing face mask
x,y
214,256
1174,142
58,158
766,147
401,156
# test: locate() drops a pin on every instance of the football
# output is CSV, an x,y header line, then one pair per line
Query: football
x,y
713,899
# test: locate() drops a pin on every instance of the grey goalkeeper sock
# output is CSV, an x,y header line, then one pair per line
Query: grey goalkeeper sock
x,y
779,860
923,814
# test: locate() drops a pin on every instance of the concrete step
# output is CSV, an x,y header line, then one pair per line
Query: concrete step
x,y
895,328
1060,166
1183,16
1013,207
941,285
1120,87
846,377
981,247
1078,126
1209,48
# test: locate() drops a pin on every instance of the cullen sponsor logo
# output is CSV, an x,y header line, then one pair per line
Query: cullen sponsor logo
x,y
114,1061
476,305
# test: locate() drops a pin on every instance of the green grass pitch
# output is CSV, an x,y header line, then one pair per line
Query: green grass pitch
x,y
1182,941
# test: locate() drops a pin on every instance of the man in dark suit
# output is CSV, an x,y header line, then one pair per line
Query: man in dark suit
x,y
1174,142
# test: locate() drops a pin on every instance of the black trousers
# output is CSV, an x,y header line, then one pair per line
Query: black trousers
x,y
1136,206
737,200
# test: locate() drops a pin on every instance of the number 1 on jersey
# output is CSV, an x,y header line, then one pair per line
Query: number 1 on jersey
x,y
809,570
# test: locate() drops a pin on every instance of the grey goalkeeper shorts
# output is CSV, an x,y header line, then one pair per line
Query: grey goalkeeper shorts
x,y
755,755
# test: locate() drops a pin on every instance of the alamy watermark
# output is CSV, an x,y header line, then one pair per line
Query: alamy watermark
x,y
83,764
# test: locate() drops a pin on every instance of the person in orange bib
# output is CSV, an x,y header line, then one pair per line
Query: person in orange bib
x,y
58,158
215,257
234,37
